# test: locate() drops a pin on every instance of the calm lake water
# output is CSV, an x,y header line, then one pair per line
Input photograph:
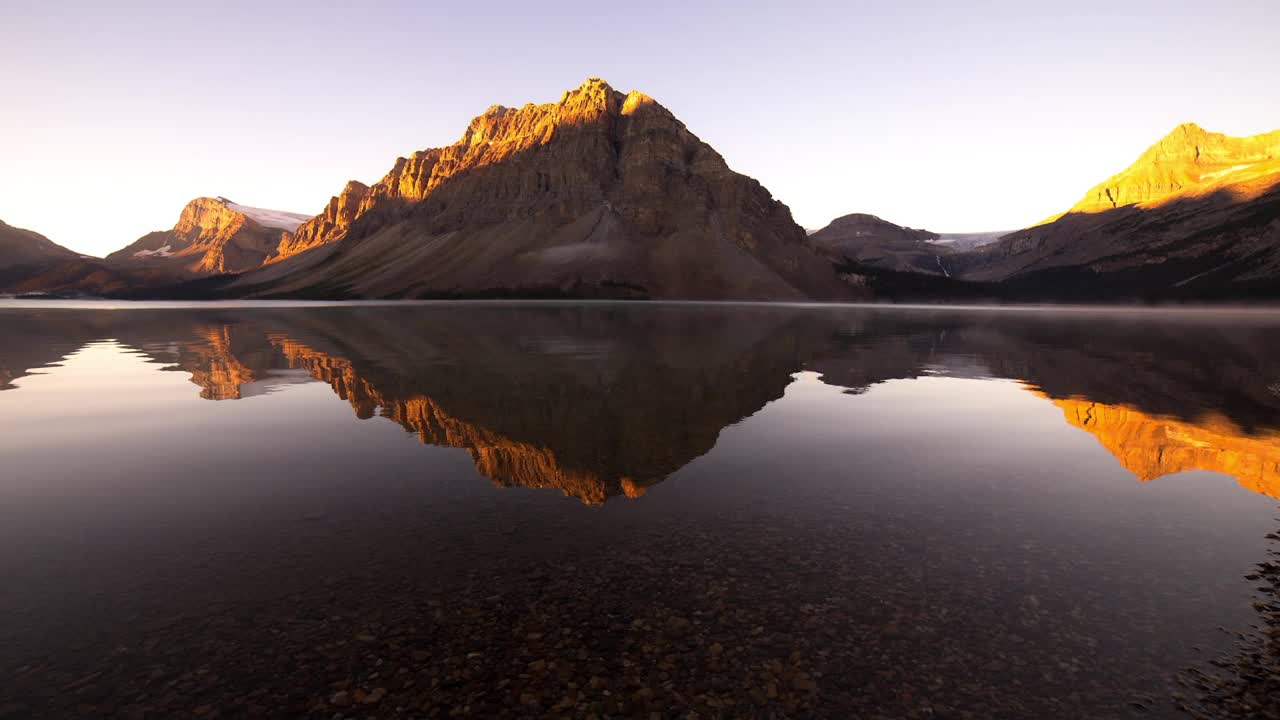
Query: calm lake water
x,y
628,510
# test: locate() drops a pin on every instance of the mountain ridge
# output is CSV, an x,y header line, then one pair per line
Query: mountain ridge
x,y
607,194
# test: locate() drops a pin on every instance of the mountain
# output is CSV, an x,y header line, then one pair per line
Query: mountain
x,y
870,241
1187,161
212,236
31,263
23,248
600,194
1197,215
20,247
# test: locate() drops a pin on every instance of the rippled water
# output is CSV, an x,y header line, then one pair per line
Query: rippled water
x,y
621,510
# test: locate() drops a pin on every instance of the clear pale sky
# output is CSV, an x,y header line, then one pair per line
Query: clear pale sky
x,y
950,116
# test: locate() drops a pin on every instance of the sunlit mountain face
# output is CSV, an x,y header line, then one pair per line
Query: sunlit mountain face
x,y
1007,512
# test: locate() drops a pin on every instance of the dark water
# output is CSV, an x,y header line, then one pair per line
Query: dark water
x,y
652,511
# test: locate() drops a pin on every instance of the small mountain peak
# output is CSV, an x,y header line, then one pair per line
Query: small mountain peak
x,y
205,203
592,89
858,217
635,101
594,82
1187,132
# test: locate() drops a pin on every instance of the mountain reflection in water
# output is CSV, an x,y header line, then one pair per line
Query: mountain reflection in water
x,y
600,401
834,512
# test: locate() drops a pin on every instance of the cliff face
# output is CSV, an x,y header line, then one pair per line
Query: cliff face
x,y
1195,216
212,236
599,193
1150,446
329,226
868,240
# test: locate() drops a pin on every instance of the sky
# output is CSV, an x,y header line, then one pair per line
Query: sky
x,y
956,117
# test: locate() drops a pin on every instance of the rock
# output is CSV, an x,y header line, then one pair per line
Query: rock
x,y
342,698
677,626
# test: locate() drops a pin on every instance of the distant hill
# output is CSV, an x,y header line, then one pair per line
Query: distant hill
x,y
25,254
871,241
20,247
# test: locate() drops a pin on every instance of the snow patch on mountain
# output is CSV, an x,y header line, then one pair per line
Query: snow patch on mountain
x,y
278,219
969,241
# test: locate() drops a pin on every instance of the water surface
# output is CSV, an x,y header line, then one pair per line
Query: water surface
x,y
619,510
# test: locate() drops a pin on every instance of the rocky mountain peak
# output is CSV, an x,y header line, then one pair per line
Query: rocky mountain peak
x,y
213,235
207,215
1188,160
592,189
581,125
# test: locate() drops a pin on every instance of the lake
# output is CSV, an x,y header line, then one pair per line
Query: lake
x,y
636,510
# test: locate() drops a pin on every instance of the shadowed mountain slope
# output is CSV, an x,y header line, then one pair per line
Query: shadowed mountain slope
x,y
20,247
